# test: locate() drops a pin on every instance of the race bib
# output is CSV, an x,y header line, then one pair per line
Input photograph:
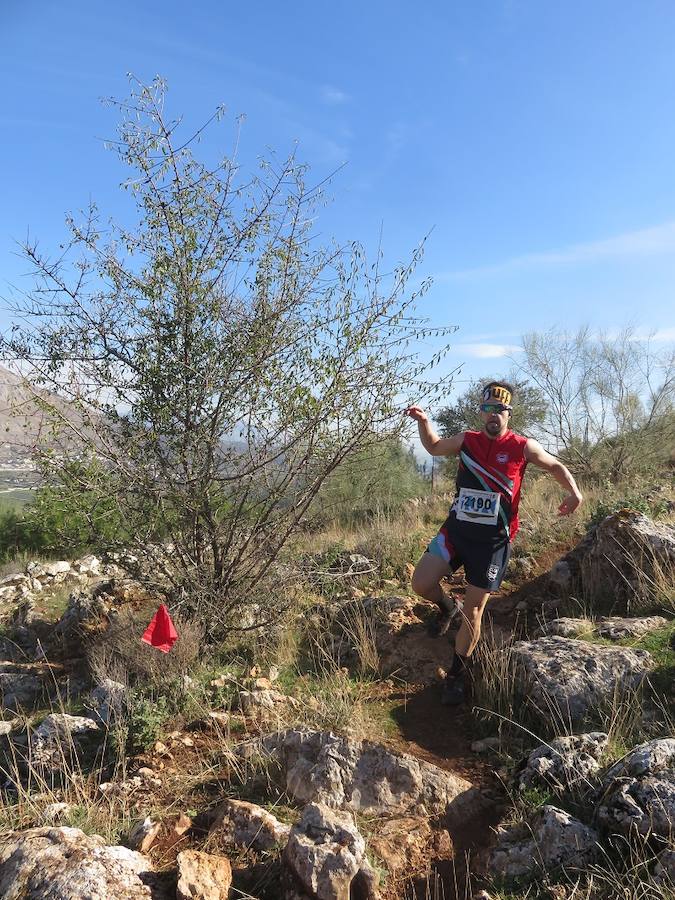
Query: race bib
x,y
481,507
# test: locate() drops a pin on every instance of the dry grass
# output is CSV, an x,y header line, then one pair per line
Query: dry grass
x,y
626,873
119,654
644,578
32,785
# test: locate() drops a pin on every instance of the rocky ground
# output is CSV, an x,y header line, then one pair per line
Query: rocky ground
x,y
527,788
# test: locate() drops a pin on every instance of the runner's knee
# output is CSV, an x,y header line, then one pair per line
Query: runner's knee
x,y
421,583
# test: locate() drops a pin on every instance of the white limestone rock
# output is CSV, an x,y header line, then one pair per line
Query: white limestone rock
x,y
550,838
249,826
61,737
570,677
202,876
67,864
107,701
327,854
365,777
564,763
638,793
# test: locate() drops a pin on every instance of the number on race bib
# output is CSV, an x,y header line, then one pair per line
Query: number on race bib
x,y
481,507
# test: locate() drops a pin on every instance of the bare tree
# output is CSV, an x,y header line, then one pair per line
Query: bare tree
x,y
611,399
217,362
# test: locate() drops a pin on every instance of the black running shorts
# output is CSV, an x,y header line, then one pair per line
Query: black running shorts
x,y
484,562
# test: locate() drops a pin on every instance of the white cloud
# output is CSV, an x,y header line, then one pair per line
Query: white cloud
x,y
333,95
487,351
658,239
659,335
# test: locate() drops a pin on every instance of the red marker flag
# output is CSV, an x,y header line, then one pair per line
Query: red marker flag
x,y
160,632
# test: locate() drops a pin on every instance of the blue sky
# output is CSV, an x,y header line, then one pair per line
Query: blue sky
x,y
534,142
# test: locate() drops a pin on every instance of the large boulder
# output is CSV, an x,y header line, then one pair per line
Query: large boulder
x,y
564,763
67,864
327,855
621,559
638,792
549,839
568,678
365,777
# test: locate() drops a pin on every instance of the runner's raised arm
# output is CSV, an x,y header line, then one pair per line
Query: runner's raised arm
x,y
431,442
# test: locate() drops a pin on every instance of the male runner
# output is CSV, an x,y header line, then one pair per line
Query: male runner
x,y
483,518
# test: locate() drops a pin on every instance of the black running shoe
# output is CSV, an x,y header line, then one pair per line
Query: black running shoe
x,y
454,690
440,625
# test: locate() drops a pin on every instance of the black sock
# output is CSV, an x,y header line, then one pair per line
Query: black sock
x,y
459,666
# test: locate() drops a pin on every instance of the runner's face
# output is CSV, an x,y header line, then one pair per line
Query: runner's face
x,y
495,423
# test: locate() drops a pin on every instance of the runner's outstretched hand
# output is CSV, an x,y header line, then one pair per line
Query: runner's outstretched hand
x,y
569,504
416,413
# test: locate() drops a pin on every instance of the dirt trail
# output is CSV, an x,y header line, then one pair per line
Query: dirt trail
x,y
443,736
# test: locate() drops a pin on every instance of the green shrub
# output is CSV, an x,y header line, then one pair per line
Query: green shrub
x,y
373,483
607,506
147,717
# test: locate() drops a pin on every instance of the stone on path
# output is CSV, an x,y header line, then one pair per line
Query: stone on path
x,y
409,844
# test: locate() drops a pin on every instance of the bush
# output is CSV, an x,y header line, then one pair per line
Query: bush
x,y
147,717
371,484
607,506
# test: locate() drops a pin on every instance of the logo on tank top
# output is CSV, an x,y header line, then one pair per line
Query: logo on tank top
x,y
502,457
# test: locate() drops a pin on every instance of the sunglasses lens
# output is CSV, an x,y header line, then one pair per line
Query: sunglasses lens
x,y
492,407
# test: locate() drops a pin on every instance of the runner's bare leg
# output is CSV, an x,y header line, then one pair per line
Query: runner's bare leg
x,y
471,616
426,580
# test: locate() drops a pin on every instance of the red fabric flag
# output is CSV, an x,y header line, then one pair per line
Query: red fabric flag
x,y
160,632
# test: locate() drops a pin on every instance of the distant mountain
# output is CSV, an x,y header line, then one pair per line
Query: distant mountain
x,y
22,422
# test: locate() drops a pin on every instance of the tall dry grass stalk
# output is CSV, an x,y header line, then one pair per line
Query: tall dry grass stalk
x,y
32,784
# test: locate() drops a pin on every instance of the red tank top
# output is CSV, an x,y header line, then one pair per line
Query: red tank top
x,y
493,464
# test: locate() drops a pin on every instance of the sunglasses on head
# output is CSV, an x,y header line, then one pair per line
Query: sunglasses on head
x,y
494,407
